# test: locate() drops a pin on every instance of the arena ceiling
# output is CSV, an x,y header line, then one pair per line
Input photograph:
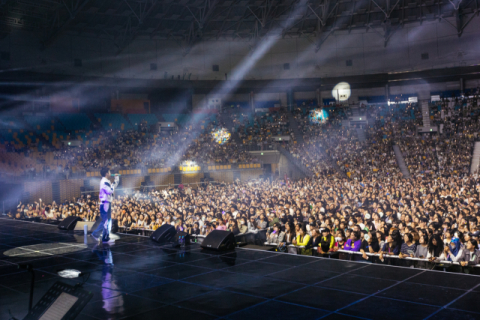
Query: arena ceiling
x,y
194,20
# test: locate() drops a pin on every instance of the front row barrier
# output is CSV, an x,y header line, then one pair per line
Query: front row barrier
x,y
404,262
374,258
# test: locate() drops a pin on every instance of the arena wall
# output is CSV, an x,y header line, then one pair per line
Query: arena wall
x,y
72,188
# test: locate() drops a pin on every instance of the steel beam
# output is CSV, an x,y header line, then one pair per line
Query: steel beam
x,y
195,34
58,25
131,32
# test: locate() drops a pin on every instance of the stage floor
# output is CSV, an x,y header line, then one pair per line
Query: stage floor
x,y
148,281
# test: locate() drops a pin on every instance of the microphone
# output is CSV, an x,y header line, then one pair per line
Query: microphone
x,y
115,175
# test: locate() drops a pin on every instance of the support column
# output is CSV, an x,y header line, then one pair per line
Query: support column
x,y
190,93
462,86
290,99
252,101
387,92
318,96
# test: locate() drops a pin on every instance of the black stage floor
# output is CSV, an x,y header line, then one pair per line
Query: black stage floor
x,y
148,281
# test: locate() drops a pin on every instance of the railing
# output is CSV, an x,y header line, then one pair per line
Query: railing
x,y
376,257
417,263
256,147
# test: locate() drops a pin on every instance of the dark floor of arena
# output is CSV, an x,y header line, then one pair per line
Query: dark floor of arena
x,y
138,279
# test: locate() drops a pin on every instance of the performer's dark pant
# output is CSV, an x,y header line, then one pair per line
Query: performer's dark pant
x,y
106,224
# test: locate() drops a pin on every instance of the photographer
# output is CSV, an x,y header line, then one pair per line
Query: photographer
x,y
233,227
193,229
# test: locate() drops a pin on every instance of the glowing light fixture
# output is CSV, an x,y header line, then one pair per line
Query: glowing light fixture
x,y
341,92
319,116
221,135
189,166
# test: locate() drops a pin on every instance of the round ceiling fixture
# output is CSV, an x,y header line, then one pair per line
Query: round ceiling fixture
x,y
341,92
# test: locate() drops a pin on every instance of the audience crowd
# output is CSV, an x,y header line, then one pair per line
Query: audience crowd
x,y
432,219
356,199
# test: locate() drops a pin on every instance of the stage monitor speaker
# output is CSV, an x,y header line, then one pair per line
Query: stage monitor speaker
x,y
69,223
91,225
164,234
219,240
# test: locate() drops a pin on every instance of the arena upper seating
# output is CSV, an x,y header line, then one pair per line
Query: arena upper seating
x,y
19,138
43,123
267,104
136,119
11,122
179,118
75,121
113,121
388,124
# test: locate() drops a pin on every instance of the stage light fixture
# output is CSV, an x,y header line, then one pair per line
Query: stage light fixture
x,y
221,135
318,116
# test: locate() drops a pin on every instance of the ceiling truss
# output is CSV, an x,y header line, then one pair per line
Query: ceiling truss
x,y
190,21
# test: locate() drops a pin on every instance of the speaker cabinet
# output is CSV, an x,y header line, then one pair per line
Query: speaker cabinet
x,y
80,225
69,223
219,240
164,234
91,225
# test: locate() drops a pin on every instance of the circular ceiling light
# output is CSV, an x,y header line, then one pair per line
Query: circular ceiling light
x,y
341,92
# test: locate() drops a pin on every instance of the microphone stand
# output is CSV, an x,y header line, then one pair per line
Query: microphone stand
x,y
29,268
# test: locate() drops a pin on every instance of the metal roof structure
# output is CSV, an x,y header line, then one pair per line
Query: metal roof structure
x,y
195,20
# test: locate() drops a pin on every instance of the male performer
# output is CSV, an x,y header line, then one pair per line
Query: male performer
x,y
105,195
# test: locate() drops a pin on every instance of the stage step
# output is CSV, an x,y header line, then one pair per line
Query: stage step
x,y
296,130
401,162
475,157
361,135
426,114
